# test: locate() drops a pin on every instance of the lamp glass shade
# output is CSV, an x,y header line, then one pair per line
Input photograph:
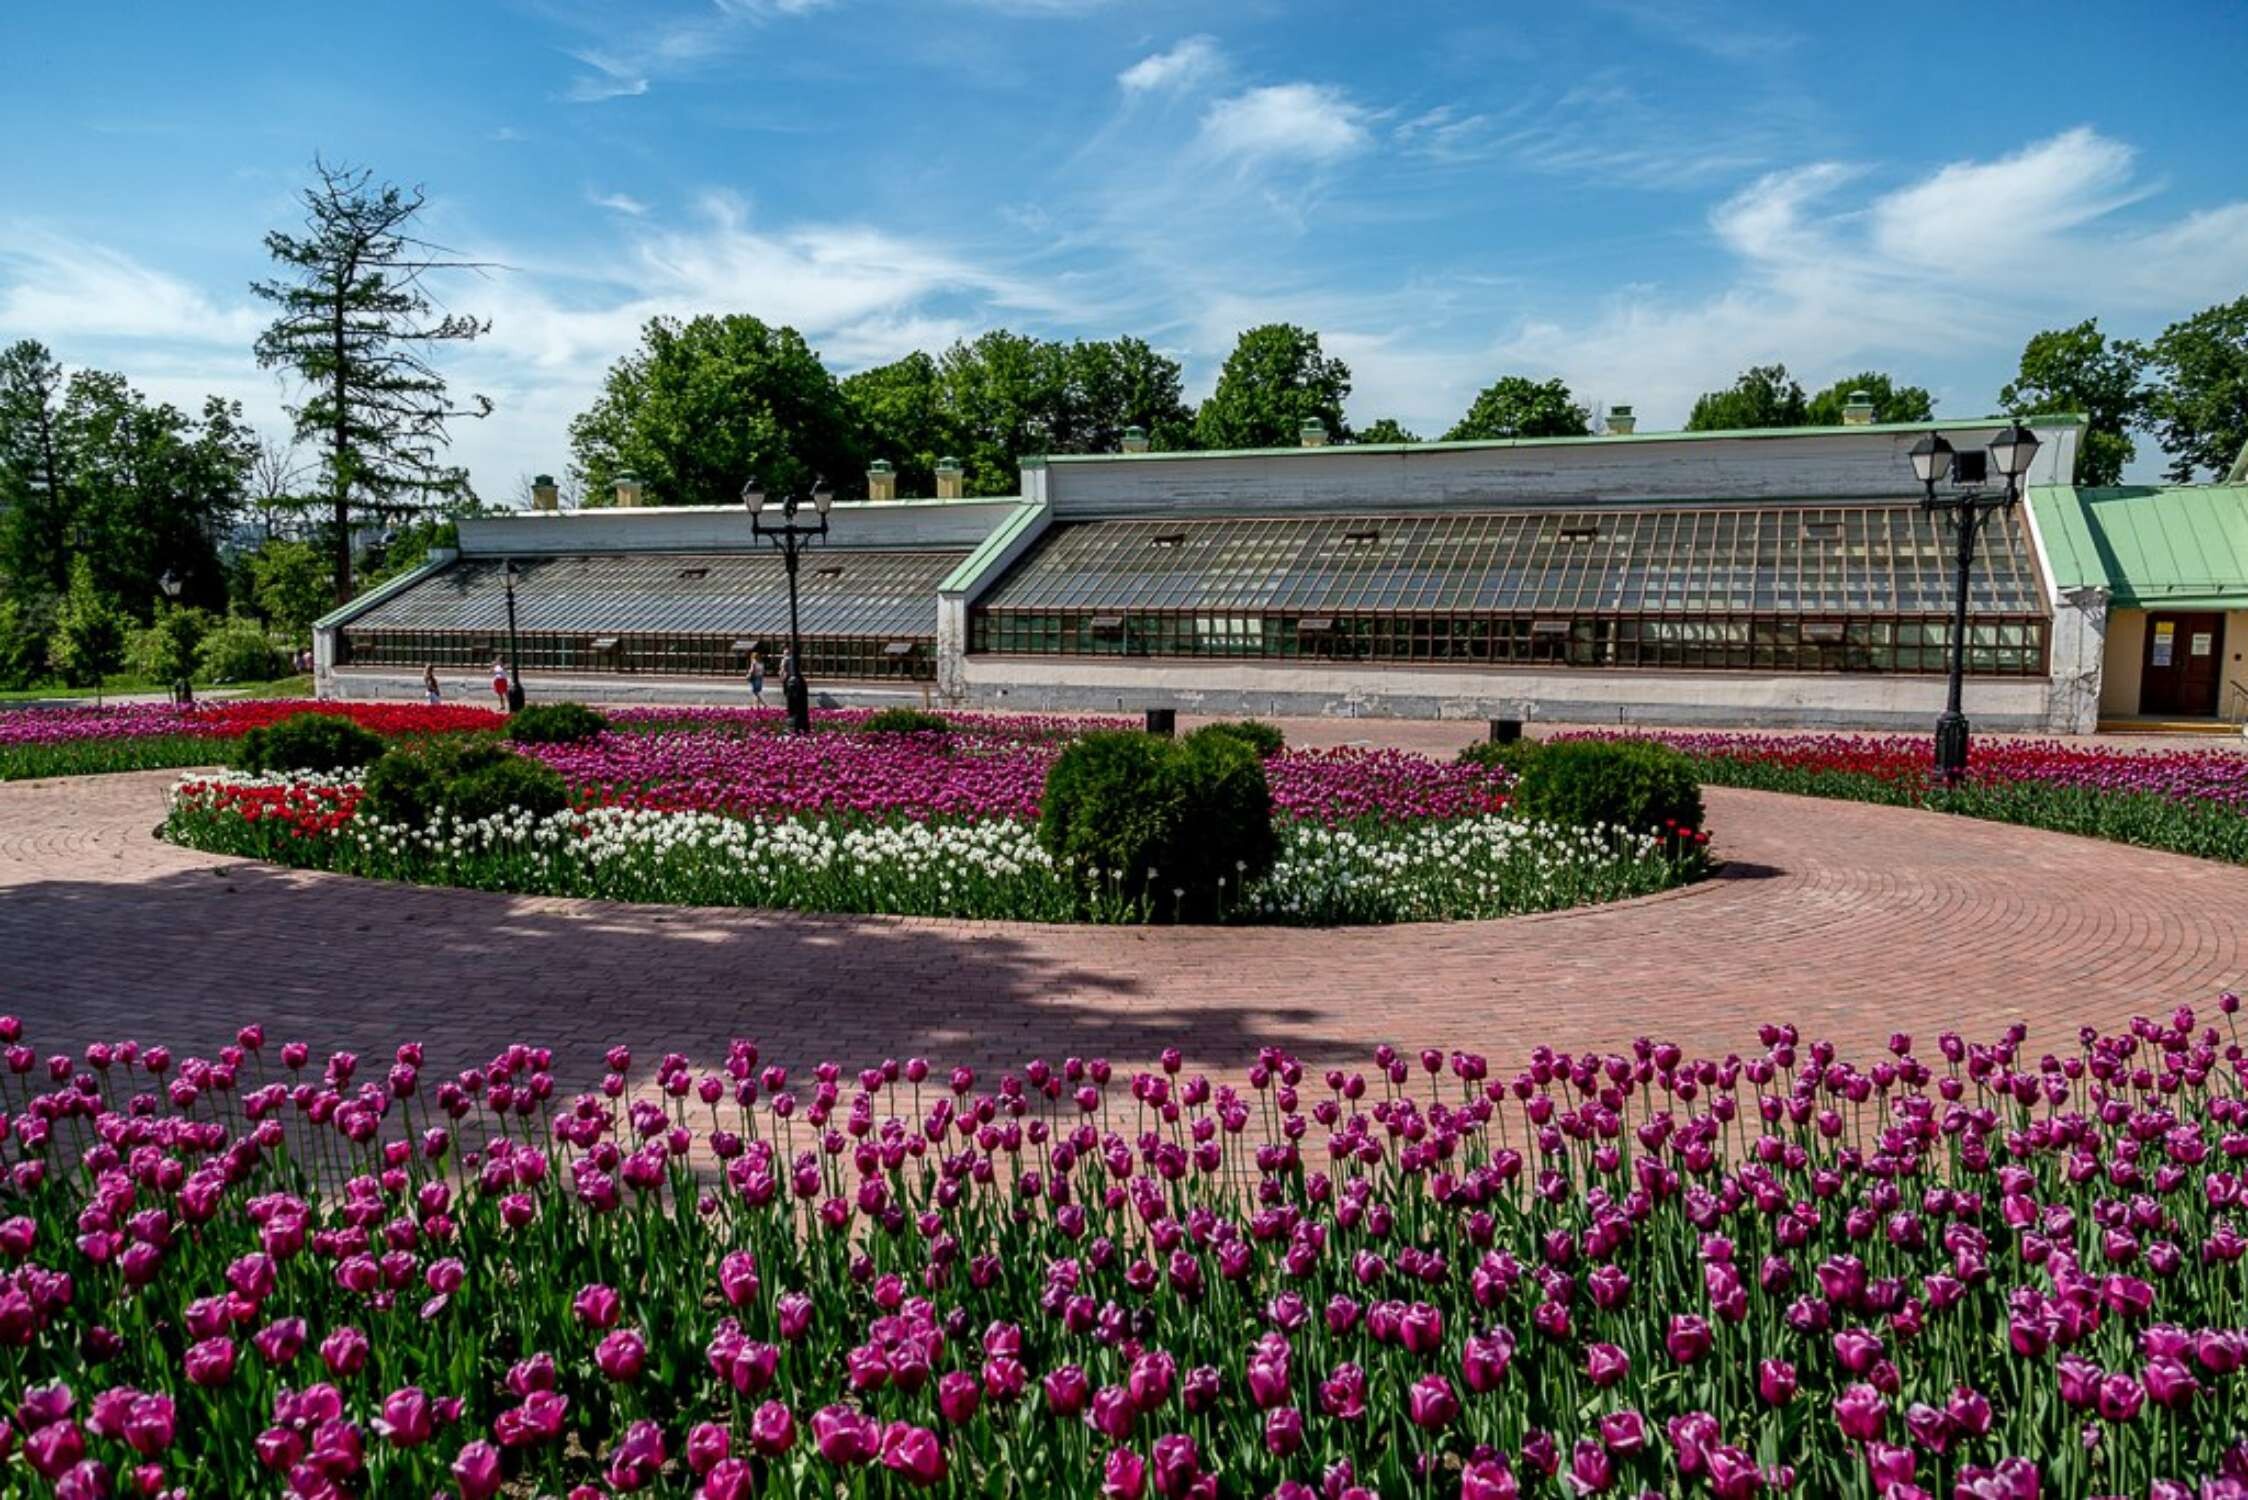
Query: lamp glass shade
x,y
822,497
753,497
2013,449
170,584
1931,458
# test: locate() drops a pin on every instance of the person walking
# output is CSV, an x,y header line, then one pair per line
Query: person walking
x,y
430,693
499,682
757,678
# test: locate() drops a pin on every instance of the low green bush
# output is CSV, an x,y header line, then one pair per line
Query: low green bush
x,y
1512,757
1627,784
236,651
555,724
1266,739
408,784
508,784
308,742
904,721
1173,828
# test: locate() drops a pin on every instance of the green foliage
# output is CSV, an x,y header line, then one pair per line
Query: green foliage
x,y
1512,757
1385,430
1891,402
25,621
555,724
166,651
1171,827
1516,406
2198,396
1764,396
505,785
2080,371
308,742
293,587
704,405
410,548
1631,785
374,405
89,635
904,721
235,651
1275,379
408,783
1266,739
899,411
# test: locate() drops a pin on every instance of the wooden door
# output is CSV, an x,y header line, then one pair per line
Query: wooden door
x,y
2180,672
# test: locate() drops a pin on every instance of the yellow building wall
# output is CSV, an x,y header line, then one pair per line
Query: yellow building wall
x,y
2126,653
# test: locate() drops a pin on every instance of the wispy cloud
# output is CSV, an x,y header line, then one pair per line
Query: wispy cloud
x,y
1602,128
1187,65
611,78
60,288
1312,122
622,203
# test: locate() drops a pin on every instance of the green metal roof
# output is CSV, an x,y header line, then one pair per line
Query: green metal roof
x,y
973,566
1330,450
2150,546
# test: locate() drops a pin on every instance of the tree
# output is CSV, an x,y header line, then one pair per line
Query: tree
x,y
27,618
290,580
1385,430
411,545
172,643
702,406
1111,384
89,637
1764,396
1516,406
151,489
276,490
1274,381
2198,398
357,326
34,507
2080,372
1004,395
898,411
1891,402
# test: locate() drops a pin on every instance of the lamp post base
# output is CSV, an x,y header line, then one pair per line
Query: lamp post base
x,y
1951,746
799,696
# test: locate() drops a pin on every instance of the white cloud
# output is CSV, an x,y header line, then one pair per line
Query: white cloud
x,y
611,78
1313,122
1984,216
1192,62
623,203
56,289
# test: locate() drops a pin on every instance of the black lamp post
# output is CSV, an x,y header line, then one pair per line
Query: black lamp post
x,y
514,657
1968,508
183,691
791,537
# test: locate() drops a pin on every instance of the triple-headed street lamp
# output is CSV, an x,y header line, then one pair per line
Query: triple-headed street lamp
x,y
1968,507
791,537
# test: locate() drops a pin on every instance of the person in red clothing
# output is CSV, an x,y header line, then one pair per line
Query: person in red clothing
x,y
499,683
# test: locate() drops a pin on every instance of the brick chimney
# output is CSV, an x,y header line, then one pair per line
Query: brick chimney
x,y
1620,420
881,480
1313,434
1135,440
1858,410
951,482
545,494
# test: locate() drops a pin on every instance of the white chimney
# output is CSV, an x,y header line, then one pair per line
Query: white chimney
x,y
881,480
951,482
1135,440
1313,433
1620,420
1858,410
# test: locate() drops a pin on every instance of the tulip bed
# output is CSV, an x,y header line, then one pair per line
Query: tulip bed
x,y
163,736
2188,801
1991,1273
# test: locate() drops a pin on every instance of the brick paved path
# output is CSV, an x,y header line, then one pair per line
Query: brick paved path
x,y
1853,920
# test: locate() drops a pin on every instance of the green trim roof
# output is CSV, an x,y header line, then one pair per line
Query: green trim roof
x,y
1949,424
440,558
2149,546
1002,536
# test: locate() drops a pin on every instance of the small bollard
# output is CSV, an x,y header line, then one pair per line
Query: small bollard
x,y
1505,731
1163,721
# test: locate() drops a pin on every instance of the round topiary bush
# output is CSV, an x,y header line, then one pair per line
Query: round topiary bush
x,y
904,721
1626,784
509,784
1266,739
1175,827
1512,757
407,785
308,742
555,724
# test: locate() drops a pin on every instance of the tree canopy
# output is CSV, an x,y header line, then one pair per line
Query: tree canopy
x,y
1385,430
1517,406
2079,370
1274,381
2197,395
1763,396
1891,402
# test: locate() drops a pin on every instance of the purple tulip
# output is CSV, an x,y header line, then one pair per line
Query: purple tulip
x,y
210,1362
1431,1403
476,1469
622,1355
1283,1431
1488,1479
408,1418
1775,1381
1859,1412
1688,1338
1590,1472
845,1437
1605,1364
1123,1475
913,1452
598,1306
772,1431
958,1395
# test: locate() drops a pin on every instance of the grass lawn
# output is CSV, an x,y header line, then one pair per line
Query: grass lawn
x,y
280,687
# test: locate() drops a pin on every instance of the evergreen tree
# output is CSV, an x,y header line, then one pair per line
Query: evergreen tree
x,y
34,506
357,327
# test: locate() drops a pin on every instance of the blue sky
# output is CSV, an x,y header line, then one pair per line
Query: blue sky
x,y
1640,197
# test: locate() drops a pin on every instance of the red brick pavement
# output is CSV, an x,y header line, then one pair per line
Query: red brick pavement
x,y
1852,920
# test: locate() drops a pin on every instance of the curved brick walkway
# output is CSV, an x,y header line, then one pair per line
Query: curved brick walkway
x,y
1853,920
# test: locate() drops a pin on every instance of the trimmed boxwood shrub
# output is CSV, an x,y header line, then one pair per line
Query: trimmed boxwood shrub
x,y
411,782
308,742
1266,739
904,721
507,783
555,724
1628,784
1174,826
1513,757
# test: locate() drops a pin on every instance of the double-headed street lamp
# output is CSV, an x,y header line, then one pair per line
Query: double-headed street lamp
x,y
791,537
1968,508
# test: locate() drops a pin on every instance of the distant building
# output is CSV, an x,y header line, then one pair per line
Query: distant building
x,y
1783,577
